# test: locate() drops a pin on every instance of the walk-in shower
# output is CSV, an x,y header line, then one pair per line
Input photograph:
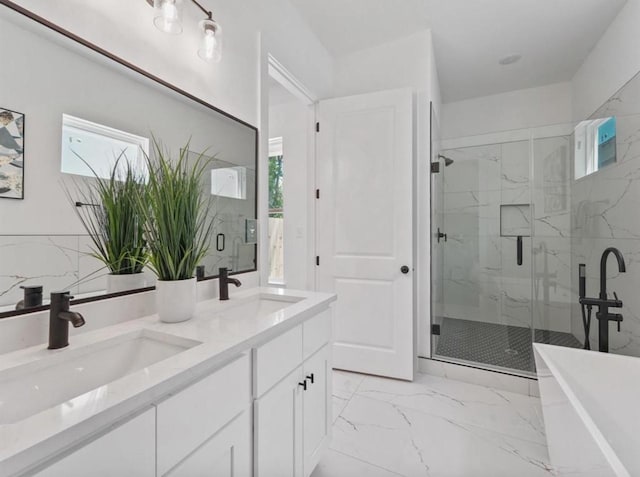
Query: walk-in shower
x,y
522,222
502,279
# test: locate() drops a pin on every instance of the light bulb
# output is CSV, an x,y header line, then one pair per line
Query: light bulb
x,y
168,16
210,41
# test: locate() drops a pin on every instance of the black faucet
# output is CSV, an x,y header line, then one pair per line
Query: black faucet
x,y
32,297
224,280
603,302
59,318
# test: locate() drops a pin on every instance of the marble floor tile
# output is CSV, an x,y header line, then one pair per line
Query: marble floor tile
x,y
335,464
345,384
414,443
433,427
501,411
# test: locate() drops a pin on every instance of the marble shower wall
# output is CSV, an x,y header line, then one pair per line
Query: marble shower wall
x,y
605,208
482,280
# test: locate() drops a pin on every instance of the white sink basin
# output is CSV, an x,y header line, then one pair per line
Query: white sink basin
x,y
28,389
261,305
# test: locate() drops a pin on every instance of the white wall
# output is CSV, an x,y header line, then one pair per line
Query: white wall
x,y
613,61
292,122
400,63
252,30
526,108
125,28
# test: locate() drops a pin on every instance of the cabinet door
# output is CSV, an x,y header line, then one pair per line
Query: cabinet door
x,y
316,408
226,454
129,449
278,429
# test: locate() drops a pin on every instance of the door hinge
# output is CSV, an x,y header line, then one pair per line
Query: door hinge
x,y
318,127
317,193
435,167
318,260
435,330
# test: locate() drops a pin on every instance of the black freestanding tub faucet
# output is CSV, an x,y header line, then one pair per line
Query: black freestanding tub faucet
x,y
603,302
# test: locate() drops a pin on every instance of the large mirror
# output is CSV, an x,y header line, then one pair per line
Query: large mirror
x,y
60,101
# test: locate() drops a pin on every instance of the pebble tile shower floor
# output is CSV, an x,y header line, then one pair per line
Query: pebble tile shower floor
x,y
495,344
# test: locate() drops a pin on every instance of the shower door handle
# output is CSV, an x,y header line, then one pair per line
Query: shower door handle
x,y
441,235
519,249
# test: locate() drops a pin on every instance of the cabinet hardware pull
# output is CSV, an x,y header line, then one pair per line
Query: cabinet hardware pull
x,y
311,378
303,384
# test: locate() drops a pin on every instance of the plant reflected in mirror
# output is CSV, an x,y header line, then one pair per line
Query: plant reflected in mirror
x,y
109,210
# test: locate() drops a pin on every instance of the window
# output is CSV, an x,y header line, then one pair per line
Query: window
x,y
276,212
595,145
88,146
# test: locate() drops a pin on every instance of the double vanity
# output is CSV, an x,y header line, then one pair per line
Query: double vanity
x,y
242,388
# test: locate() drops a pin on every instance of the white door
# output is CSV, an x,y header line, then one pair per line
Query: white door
x,y
364,229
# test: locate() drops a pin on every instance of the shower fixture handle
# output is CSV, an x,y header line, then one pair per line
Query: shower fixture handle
x,y
519,250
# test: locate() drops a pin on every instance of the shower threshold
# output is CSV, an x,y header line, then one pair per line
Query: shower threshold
x,y
495,345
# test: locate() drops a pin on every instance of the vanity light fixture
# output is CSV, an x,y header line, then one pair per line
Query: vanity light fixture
x,y
168,18
210,41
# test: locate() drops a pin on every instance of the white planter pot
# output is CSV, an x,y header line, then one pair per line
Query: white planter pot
x,y
120,283
176,300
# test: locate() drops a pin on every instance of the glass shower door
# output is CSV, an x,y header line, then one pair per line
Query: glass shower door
x,y
482,272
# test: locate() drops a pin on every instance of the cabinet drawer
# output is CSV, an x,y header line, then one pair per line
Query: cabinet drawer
x,y
129,449
191,416
276,359
316,333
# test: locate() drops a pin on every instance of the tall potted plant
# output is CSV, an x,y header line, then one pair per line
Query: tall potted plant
x,y
109,209
177,227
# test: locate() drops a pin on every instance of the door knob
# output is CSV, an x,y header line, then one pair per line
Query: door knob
x,y
404,269
303,384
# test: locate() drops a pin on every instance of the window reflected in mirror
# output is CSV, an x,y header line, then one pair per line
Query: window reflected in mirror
x,y
90,149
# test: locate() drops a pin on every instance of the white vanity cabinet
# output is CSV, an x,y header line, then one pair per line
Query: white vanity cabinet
x,y
316,405
129,448
292,418
265,413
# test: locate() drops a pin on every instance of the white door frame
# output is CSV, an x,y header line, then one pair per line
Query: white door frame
x,y
272,68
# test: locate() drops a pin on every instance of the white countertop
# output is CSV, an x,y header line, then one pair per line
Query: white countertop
x,y
223,337
604,390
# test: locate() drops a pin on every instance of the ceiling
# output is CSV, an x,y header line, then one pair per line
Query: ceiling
x,y
470,36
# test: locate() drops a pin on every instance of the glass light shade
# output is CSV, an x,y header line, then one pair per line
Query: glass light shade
x,y
210,41
167,15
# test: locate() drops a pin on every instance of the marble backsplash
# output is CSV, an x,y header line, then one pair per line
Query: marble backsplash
x,y
57,262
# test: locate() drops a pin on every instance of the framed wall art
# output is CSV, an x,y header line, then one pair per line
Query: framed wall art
x,y
11,154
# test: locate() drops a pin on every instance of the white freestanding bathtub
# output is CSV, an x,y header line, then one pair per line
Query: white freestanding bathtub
x,y
591,407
